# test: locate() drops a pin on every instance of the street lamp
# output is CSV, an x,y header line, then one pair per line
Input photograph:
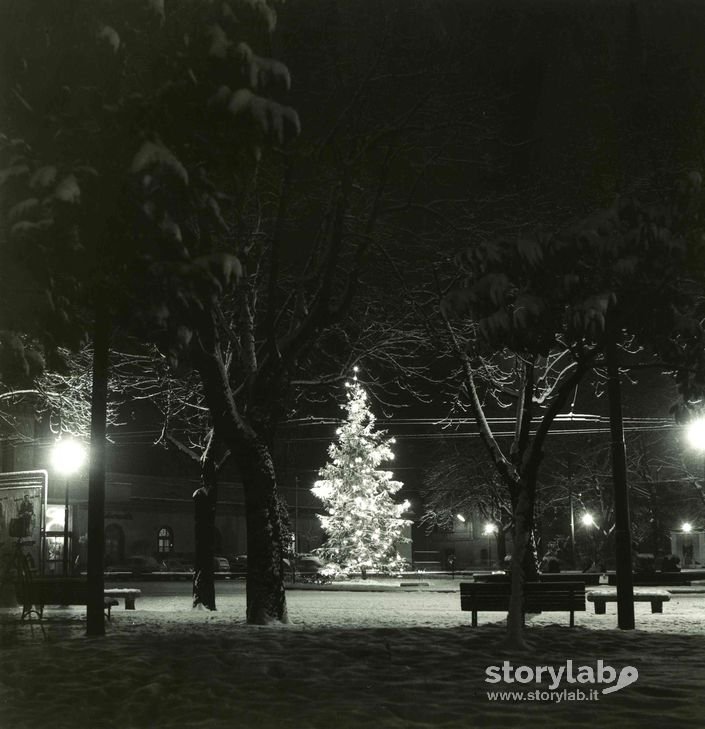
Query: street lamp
x,y
695,434
488,530
687,528
588,520
67,457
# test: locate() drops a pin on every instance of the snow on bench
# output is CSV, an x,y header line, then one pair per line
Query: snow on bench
x,y
129,594
602,597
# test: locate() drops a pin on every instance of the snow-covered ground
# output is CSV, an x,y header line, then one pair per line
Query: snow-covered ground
x,y
347,659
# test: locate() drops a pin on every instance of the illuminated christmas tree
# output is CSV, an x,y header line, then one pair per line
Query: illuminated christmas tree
x,y
363,523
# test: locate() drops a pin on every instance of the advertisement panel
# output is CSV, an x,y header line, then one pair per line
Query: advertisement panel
x,y
22,507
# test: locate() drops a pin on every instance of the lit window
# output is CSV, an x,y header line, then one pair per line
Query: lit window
x,y
165,540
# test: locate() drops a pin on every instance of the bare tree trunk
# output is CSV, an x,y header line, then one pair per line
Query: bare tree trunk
x,y
205,500
623,532
521,554
266,598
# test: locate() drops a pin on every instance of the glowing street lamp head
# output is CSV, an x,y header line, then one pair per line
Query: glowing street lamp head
x,y
587,520
68,456
695,433
460,518
489,528
687,527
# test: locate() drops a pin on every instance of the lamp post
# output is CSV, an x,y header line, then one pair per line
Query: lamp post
x,y
687,528
588,520
488,531
67,457
695,434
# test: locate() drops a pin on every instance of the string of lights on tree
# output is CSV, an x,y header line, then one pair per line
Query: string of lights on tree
x,y
363,524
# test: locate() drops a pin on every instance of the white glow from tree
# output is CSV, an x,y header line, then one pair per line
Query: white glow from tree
x,y
362,522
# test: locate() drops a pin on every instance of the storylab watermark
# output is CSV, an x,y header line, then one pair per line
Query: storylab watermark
x,y
557,683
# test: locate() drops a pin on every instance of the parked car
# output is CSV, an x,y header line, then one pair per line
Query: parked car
x,y
238,564
308,564
136,565
221,564
308,568
177,564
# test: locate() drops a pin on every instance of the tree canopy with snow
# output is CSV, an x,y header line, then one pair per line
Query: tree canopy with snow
x,y
534,317
131,133
363,522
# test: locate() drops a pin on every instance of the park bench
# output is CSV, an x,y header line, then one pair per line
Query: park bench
x,y
129,594
38,592
602,597
538,596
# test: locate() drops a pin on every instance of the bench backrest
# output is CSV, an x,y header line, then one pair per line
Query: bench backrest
x,y
53,591
485,595
554,596
537,596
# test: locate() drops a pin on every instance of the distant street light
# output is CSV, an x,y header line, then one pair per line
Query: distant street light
x,y
588,520
460,518
695,434
488,530
67,457
687,528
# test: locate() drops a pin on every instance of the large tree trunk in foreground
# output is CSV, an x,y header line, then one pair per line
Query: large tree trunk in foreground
x,y
521,566
205,500
266,598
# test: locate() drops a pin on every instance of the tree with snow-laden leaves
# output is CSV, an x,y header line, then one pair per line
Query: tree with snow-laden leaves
x,y
363,522
530,319
130,133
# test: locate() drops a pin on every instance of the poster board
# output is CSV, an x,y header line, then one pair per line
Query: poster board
x,y
23,496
